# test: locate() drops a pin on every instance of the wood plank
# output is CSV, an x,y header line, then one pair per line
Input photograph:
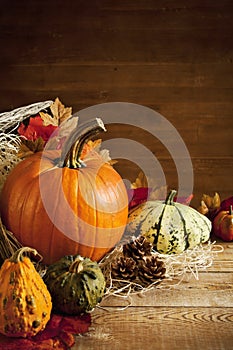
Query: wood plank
x,y
97,75
112,41
135,95
160,328
186,294
208,175
178,6
198,135
178,113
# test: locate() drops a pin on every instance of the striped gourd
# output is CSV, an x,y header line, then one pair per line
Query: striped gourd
x,y
171,227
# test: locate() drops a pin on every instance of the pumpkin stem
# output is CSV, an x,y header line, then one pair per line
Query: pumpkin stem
x,y
170,197
77,265
18,255
231,210
76,142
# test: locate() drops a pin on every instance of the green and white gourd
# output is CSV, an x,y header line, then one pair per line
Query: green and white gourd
x,y
170,226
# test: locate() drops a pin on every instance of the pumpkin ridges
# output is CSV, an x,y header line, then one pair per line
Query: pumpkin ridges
x,y
96,222
82,211
169,205
186,236
143,215
158,229
30,211
169,237
19,197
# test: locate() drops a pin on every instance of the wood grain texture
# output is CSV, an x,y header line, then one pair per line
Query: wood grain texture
x,y
196,314
174,57
160,328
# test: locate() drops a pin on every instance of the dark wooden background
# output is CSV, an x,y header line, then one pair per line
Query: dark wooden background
x,y
175,57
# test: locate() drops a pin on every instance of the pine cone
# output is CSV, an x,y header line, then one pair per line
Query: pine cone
x,y
151,269
138,248
124,268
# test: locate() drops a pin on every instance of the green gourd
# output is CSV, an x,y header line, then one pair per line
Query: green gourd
x,y
172,227
76,284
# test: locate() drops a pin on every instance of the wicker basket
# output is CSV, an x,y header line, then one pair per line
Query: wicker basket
x,y
9,140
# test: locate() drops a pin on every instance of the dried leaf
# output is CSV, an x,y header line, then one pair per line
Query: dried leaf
x,y
59,113
141,181
212,203
48,119
58,334
105,155
96,145
158,193
203,209
28,147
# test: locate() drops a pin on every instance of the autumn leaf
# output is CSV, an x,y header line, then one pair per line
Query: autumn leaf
x,y
213,202
203,209
28,147
96,146
210,205
140,181
156,192
36,129
59,114
59,334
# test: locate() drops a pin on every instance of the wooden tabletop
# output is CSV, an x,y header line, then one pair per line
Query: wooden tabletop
x,y
197,314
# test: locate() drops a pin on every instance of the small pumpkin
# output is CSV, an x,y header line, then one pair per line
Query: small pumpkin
x,y
76,284
25,302
223,225
171,227
61,203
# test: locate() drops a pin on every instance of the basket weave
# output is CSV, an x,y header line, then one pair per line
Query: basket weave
x,y
9,140
10,120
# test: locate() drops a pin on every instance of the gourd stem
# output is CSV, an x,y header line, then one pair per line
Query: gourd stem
x,y
231,210
76,142
170,197
77,265
18,255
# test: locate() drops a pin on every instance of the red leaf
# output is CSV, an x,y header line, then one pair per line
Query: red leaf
x,y
76,324
15,343
58,334
36,129
137,196
67,338
226,203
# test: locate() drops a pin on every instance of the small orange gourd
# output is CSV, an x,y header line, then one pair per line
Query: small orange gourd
x,y
25,302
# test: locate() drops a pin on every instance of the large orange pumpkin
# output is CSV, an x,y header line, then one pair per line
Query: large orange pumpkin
x,y
61,205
